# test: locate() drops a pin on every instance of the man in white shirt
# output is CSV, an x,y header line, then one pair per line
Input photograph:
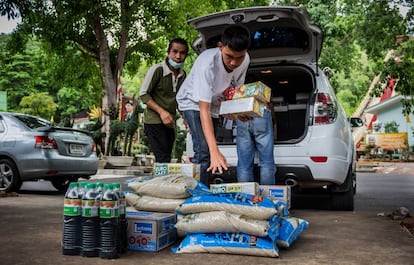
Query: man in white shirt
x,y
202,91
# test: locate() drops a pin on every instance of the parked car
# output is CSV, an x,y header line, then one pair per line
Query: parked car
x,y
32,148
313,146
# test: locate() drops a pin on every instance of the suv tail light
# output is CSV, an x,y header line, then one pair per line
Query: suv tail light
x,y
325,110
45,142
93,147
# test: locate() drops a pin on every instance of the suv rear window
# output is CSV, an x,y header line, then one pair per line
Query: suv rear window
x,y
272,37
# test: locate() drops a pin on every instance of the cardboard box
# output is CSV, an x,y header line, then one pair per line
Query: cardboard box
x,y
277,192
187,169
245,187
247,106
150,231
257,89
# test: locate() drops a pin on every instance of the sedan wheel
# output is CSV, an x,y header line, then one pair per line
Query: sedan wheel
x,y
9,177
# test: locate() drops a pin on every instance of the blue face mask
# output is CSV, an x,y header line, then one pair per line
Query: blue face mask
x,y
174,64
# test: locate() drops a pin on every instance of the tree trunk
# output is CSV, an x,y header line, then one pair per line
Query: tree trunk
x,y
109,104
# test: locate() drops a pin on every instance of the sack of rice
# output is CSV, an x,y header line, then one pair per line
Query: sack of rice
x,y
246,205
222,222
169,186
152,204
228,243
290,229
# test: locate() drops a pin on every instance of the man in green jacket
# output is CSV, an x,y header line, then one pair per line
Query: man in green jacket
x,y
158,92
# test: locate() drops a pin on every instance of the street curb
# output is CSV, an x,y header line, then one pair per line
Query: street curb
x,y
119,173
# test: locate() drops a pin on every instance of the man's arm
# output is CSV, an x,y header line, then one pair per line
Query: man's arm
x,y
166,117
218,162
152,78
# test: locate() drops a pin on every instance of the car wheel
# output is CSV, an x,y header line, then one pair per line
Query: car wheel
x,y
9,176
62,183
343,200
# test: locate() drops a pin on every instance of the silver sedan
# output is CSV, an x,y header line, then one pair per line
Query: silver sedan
x,y
32,148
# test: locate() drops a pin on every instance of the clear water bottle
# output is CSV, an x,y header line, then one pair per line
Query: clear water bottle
x,y
108,214
122,229
72,221
90,222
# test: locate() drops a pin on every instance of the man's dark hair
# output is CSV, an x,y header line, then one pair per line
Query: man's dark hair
x,y
180,41
236,37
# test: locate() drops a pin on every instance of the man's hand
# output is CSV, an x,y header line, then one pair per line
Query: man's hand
x,y
244,118
167,118
218,163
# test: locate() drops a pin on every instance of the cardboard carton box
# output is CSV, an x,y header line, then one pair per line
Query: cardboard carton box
x,y
150,231
277,192
247,106
257,89
245,187
187,169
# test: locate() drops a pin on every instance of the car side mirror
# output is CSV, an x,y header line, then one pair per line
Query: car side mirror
x,y
356,122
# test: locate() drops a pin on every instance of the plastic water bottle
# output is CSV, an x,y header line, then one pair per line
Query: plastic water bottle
x,y
108,214
90,222
82,190
72,225
122,229
99,188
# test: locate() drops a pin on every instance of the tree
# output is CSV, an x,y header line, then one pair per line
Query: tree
x,y
354,29
402,68
38,104
110,31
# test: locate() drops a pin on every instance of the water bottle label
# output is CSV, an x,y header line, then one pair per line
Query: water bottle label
x,y
108,209
90,208
71,207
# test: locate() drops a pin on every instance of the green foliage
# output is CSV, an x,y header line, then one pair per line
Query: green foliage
x,y
38,104
66,58
21,73
391,127
403,70
179,145
95,127
357,37
348,100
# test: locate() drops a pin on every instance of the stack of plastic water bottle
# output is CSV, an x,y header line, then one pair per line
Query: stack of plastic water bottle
x,y
94,223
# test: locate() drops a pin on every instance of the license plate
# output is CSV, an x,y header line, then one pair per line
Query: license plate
x,y
76,149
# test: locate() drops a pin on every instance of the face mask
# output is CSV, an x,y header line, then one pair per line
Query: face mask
x,y
174,64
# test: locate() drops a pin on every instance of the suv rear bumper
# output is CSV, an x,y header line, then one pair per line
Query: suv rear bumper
x,y
291,174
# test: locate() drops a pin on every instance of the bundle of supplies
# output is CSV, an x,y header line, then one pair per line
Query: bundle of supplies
x,y
225,220
152,203
232,223
249,99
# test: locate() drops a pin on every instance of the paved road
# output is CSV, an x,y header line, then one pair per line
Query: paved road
x,y
30,229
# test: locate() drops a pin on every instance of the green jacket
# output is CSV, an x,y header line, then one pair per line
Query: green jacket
x,y
158,85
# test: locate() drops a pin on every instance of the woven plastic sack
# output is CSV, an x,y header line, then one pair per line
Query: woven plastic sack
x,y
228,243
173,186
222,222
152,204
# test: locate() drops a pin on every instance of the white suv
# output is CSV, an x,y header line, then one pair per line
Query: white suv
x,y
313,147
